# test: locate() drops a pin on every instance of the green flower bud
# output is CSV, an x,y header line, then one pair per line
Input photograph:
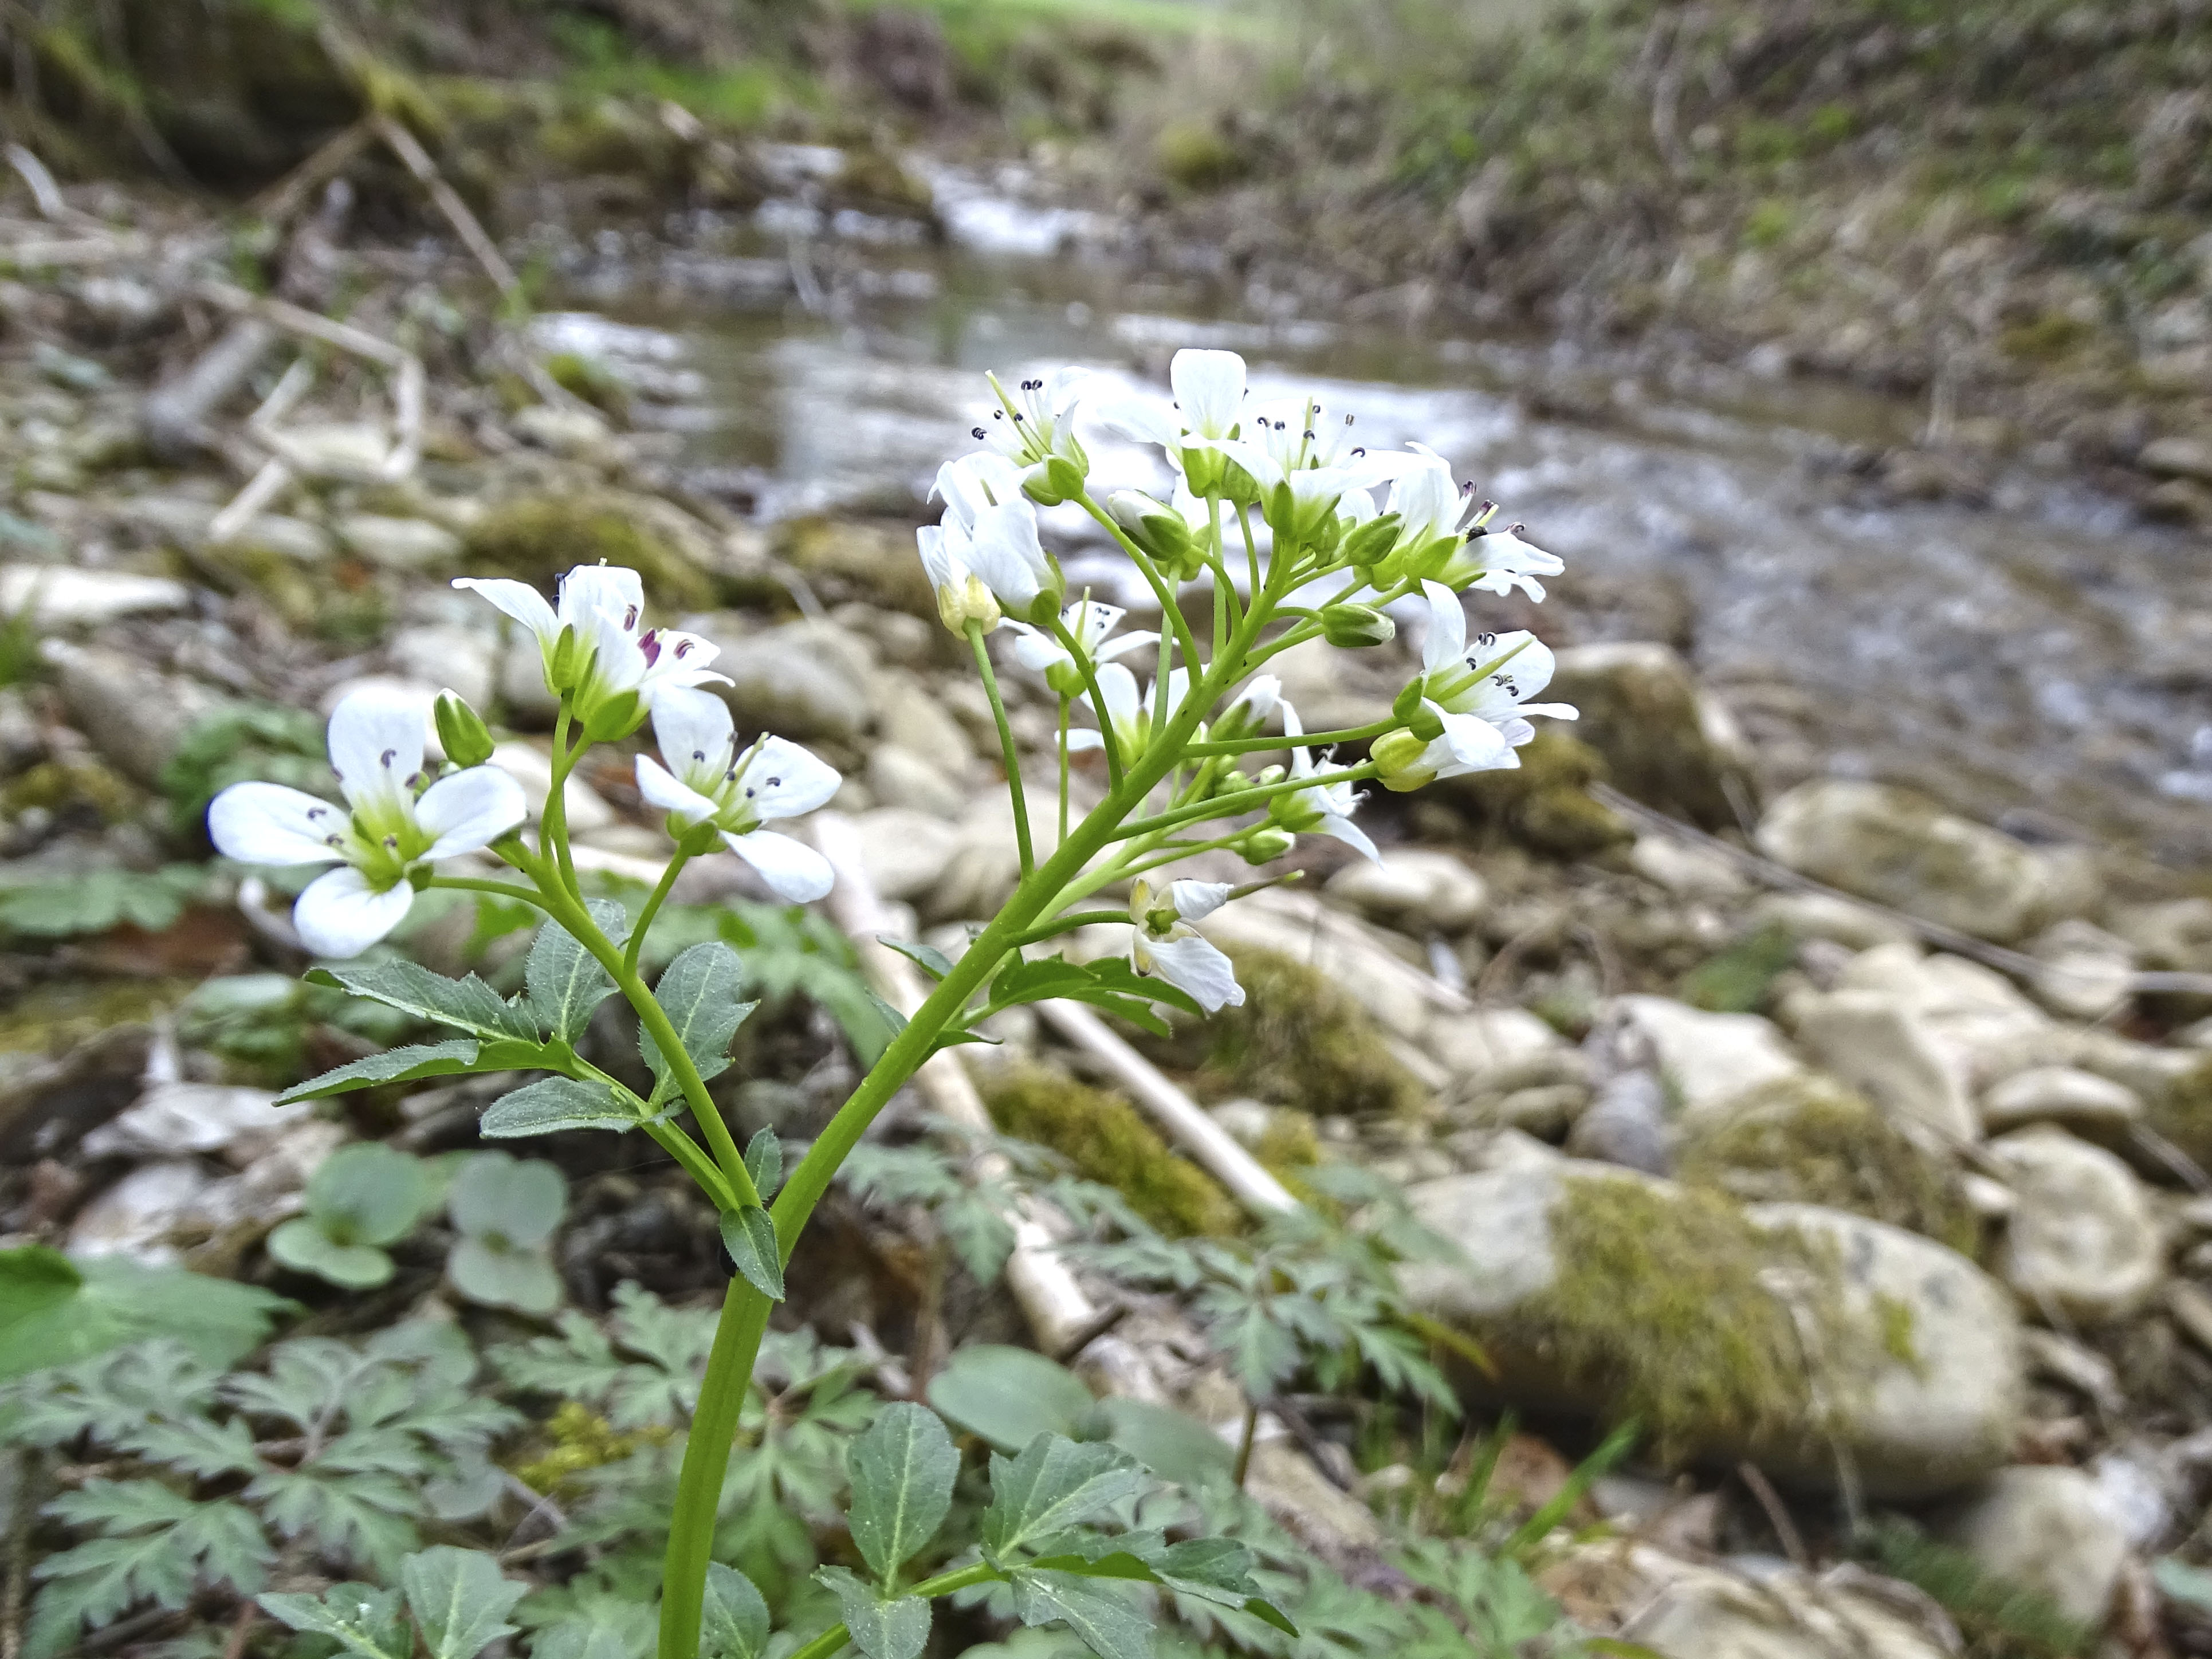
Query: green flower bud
x,y
1372,540
1355,626
1060,478
565,663
1398,760
1203,470
699,840
461,732
1264,844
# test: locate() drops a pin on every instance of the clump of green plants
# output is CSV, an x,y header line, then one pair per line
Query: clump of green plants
x,y
361,1199
1737,979
1821,1144
1301,1041
56,1309
1998,1619
238,742
1107,1140
95,901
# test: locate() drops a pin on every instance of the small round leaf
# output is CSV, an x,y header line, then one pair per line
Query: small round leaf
x,y
500,1277
368,1194
519,1200
304,1246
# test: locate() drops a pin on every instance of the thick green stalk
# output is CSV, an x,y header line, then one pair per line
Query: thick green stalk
x,y
706,1462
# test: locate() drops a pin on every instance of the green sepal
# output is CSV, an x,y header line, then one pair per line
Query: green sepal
x,y
1407,702
461,731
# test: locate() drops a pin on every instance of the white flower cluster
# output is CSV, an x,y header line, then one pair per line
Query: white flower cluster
x,y
611,671
1353,531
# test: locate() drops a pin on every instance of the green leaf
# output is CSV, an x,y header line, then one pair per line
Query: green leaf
x,y
1214,1570
419,1060
1174,1446
365,1619
459,1601
499,1275
153,1544
302,1245
555,1103
903,1468
733,1620
893,1022
765,1162
1009,1395
562,980
55,1310
1108,1625
97,900
520,1199
1052,1486
749,1234
699,994
468,1005
927,957
368,1194
1109,983
882,1628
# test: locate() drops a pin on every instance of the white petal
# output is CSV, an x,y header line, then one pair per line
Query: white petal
x,y
1146,420
602,589
1064,388
1445,641
695,732
1119,686
1194,900
469,810
1426,501
674,658
1034,649
1350,834
1209,387
340,915
618,663
1265,471
1357,507
1474,743
268,823
1557,711
1122,645
795,870
941,560
975,482
519,600
1196,965
376,744
688,806
1082,740
784,780
1260,696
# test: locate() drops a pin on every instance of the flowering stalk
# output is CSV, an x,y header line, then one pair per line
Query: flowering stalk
x,y
1173,755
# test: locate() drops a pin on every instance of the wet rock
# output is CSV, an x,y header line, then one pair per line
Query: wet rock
x,y
1901,849
1599,1289
55,596
403,545
135,715
135,1216
575,432
1877,1043
279,535
1817,916
1662,742
2077,1100
1417,891
2050,1530
536,538
2082,1241
872,562
904,852
1707,1061
805,681
1544,803
172,1119
1685,869
1545,1111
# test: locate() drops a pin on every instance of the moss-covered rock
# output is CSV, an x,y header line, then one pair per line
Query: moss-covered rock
x,y
1641,710
536,539
1544,803
1301,1041
2180,1111
1810,1141
866,560
1107,1140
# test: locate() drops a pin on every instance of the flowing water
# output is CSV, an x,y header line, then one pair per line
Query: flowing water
x,y
2045,661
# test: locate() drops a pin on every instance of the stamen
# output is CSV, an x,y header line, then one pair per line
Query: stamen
x,y
775,783
386,759
977,434
629,618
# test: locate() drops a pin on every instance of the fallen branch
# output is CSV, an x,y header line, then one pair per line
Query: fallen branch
x,y
417,160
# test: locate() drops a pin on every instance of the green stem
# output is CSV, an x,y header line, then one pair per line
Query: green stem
x,y
1303,740
1084,666
830,1640
706,1462
1007,747
506,889
653,908
1244,801
1170,616
1060,925
553,824
1063,771
1225,591
1251,547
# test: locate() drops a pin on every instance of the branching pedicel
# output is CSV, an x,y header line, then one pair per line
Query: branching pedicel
x,y
1337,558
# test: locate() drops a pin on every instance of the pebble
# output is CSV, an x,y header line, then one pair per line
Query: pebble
x,y
2061,1094
2083,1242
60,597
1415,889
1708,1060
2049,1529
409,544
174,1118
1878,1045
135,1216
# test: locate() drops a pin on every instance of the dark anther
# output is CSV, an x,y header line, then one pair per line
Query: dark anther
x,y
629,618
387,756
977,433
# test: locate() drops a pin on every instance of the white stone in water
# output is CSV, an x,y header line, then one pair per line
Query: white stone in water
x,y
2049,1529
2083,1242
55,596
1414,889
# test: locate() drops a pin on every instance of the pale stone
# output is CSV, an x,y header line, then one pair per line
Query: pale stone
x,y
174,1118
1708,1060
903,851
899,777
1421,891
1684,869
135,1216
1686,1610
2060,1094
135,715
1492,1047
1821,915
457,659
2048,1529
2083,1242
565,430
532,768
909,714
287,538
1402,999
56,596
1978,1023
1878,1045
398,543
803,681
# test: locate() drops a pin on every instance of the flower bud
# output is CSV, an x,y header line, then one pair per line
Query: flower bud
x,y
566,661
1205,470
613,718
698,841
1155,526
1372,540
1355,626
1400,760
1264,844
1059,478
959,603
461,732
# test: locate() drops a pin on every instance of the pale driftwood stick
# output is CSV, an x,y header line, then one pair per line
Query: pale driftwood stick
x,y
174,417
1053,1301
43,190
282,200
1768,873
263,488
417,160
1213,1147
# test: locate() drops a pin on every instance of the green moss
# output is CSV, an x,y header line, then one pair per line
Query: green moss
x,y
1898,1327
578,1440
1544,803
1661,1307
1196,155
535,539
862,559
2181,1112
1736,980
55,1018
585,377
1108,1140
1300,1041
1817,1143
62,785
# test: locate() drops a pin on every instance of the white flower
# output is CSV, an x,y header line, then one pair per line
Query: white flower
x,y
1033,426
1208,407
1164,943
595,647
1091,623
990,532
1318,809
707,781
1129,714
1492,681
962,597
389,827
1505,562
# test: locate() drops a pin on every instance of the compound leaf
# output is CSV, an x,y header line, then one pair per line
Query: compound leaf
x,y
468,1005
699,994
